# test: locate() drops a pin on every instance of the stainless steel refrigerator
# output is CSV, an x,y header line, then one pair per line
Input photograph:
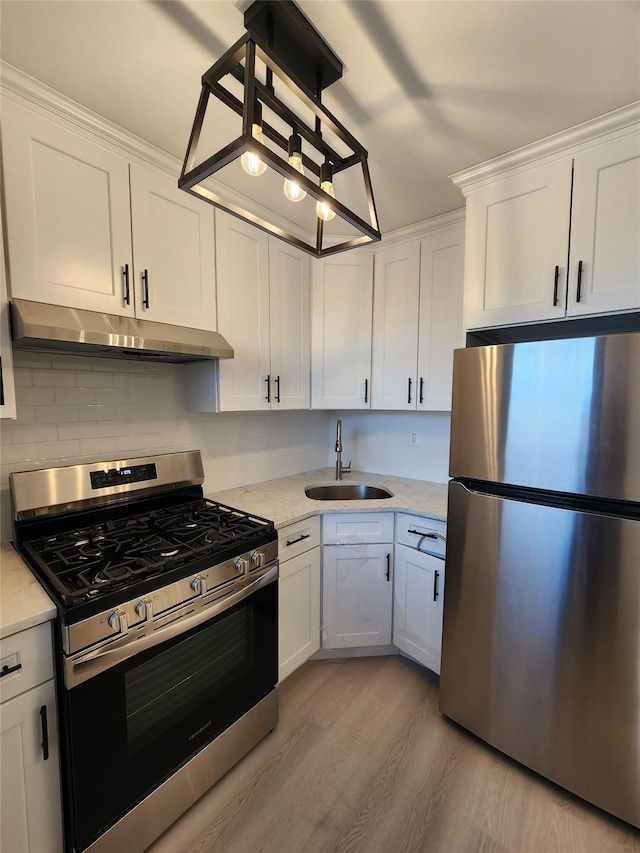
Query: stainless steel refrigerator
x,y
541,639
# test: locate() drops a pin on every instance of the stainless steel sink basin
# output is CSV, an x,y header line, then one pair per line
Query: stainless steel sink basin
x,y
347,492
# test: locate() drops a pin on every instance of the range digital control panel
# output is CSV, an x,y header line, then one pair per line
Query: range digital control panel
x,y
121,476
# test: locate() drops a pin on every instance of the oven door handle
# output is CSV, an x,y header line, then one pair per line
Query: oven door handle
x,y
82,667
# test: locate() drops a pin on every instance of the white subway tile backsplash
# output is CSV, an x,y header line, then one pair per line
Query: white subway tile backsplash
x,y
34,396
18,453
20,434
57,378
54,414
96,413
61,450
74,396
22,377
68,431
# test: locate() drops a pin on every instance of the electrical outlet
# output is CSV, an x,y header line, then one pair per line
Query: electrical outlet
x,y
413,439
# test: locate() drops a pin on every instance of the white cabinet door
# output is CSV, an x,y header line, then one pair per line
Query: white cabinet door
x,y
417,605
395,327
605,229
68,216
441,331
7,385
242,254
289,286
173,252
30,806
341,311
299,610
517,232
357,595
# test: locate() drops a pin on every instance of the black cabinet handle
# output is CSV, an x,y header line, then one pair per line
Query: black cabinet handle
x,y
366,390
579,288
409,392
388,573
436,575
421,390
299,539
45,732
145,288
125,280
555,285
277,389
8,669
268,396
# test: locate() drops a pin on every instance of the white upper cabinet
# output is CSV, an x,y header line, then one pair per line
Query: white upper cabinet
x,y
396,294
173,252
7,383
289,290
604,272
68,219
263,308
559,239
341,310
441,331
243,313
417,321
517,246
89,230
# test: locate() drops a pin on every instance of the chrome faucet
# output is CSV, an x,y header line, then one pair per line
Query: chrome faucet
x,y
340,469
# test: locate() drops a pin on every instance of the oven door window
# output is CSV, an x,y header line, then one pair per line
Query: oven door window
x,y
133,725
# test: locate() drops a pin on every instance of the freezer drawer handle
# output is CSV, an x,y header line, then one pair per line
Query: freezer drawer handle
x,y
436,575
299,539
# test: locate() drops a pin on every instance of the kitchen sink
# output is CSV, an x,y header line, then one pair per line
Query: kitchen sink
x,y
347,492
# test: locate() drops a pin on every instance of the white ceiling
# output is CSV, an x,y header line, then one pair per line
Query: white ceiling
x,y
430,87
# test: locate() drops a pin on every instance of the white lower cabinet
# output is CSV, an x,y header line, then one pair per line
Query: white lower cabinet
x,y
418,592
418,598
30,808
299,594
357,595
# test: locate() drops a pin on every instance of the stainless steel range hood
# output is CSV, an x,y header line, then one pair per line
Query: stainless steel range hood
x,y
55,328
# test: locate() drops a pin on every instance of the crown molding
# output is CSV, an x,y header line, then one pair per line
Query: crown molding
x,y
442,222
562,144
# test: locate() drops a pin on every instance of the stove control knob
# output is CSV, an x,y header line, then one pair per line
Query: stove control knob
x,y
257,558
118,621
240,565
199,584
144,609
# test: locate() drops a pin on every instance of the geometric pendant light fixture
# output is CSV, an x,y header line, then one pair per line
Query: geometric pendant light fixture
x,y
264,147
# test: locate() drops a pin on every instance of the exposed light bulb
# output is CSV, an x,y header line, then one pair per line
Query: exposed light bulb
x,y
251,163
323,211
292,189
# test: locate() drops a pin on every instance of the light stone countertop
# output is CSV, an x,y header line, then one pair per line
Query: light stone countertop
x,y
23,602
283,500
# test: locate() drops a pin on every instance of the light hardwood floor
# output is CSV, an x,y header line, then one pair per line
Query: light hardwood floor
x,y
362,761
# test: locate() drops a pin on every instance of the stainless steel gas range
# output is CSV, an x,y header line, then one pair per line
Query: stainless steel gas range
x,y
166,637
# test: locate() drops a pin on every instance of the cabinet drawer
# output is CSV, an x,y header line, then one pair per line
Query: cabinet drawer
x,y
298,537
30,650
354,527
411,528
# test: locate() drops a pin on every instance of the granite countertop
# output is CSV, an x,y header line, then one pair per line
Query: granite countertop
x,y
23,602
283,500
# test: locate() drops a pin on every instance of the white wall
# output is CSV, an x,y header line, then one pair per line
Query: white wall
x,y
379,442
77,409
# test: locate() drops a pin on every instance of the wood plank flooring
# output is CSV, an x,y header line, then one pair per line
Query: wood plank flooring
x,y
362,761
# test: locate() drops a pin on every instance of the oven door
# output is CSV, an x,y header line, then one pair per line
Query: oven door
x,y
132,725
